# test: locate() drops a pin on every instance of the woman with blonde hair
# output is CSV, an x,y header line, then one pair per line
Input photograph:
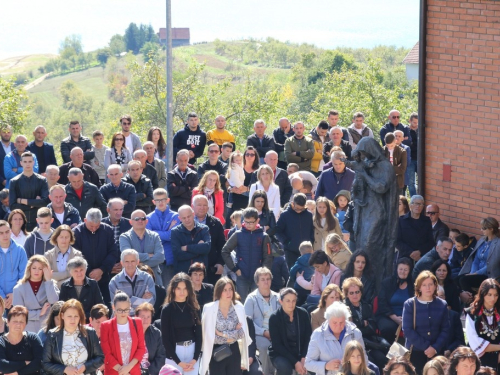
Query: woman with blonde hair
x,y
265,182
433,367
329,295
62,239
36,291
337,250
325,223
209,186
354,360
72,348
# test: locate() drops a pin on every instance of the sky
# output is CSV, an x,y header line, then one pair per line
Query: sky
x,y
32,27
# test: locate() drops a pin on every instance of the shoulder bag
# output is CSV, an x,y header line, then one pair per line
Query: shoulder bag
x,y
398,350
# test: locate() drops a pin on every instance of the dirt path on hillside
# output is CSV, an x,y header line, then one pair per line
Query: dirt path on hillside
x,y
37,81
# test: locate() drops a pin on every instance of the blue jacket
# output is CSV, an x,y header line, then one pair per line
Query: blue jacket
x,y
253,250
13,160
329,186
389,128
124,191
458,258
294,228
280,272
160,223
196,252
302,265
12,267
2,157
414,235
49,156
71,216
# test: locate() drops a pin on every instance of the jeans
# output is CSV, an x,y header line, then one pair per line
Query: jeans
x,y
244,287
263,344
283,366
185,354
412,170
167,273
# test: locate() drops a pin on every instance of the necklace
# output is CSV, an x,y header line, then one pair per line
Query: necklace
x,y
486,329
176,304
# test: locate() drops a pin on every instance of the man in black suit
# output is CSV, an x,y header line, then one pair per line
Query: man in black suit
x,y
44,151
439,229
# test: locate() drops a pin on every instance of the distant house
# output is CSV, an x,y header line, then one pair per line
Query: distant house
x,y
411,62
180,36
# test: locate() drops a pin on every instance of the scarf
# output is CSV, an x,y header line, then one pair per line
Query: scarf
x,y
209,193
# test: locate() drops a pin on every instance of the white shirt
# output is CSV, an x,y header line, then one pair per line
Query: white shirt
x,y
5,250
20,240
60,217
128,143
6,148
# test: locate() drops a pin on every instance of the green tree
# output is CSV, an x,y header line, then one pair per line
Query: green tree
x,y
70,46
132,38
103,55
14,107
150,51
117,44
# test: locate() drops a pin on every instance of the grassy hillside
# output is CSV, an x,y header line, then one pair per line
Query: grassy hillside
x,y
24,64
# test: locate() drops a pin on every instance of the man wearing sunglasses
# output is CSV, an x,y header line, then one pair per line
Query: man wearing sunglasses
x,y
394,124
132,140
146,242
439,229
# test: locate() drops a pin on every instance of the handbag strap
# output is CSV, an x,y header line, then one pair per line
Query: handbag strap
x,y
398,331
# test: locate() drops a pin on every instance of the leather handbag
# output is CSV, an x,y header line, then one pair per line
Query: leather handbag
x,y
398,350
221,353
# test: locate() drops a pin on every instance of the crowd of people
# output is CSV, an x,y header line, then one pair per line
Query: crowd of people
x,y
234,261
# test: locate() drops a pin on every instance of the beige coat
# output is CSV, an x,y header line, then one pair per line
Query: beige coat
x,y
317,317
321,233
51,256
341,258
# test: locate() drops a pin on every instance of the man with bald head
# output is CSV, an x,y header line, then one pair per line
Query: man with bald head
x,y
116,188
190,241
439,229
280,177
336,140
220,134
157,164
260,140
280,135
394,124
77,161
147,169
12,163
44,151
146,242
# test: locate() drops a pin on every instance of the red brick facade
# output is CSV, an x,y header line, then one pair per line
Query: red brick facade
x,y
463,110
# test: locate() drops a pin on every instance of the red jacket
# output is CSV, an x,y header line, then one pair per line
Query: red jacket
x,y
110,343
219,204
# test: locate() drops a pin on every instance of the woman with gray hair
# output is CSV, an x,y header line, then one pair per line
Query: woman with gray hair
x,y
62,252
290,329
80,287
328,342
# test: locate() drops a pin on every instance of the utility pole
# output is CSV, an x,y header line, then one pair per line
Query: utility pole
x,y
169,107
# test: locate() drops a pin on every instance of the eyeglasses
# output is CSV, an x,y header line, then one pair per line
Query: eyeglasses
x,y
395,117
139,219
431,213
213,151
483,228
249,222
119,139
120,311
161,200
249,155
356,292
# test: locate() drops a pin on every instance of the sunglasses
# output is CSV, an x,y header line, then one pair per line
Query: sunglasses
x,y
431,213
125,123
356,292
247,154
139,219
213,151
395,117
119,139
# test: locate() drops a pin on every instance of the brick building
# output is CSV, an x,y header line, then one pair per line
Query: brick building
x,y
461,109
181,36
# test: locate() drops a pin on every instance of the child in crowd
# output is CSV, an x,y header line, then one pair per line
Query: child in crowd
x,y
235,174
311,206
307,188
4,208
97,163
397,156
303,268
337,250
341,201
324,223
235,225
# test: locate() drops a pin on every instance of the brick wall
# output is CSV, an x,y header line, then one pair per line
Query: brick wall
x,y
463,108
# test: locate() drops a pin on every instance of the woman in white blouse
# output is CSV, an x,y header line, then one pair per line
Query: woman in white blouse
x,y
265,177
72,348
17,221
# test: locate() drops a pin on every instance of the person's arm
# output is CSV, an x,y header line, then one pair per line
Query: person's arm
x,y
307,285
65,152
444,328
230,245
158,255
250,310
287,192
198,151
267,254
174,188
457,335
107,345
50,364
290,155
113,253
151,287
37,352
309,153
412,336
130,191
478,344
43,194
201,171
88,152
327,147
253,187
168,334
320,189
96,361
313,356
382,133
19,299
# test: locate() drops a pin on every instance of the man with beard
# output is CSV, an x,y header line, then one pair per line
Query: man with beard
x,y
7,147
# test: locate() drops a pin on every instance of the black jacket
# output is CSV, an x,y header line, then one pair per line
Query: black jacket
x,y
369,330
218,241
48,157
181,193
143,192
344,145
277,329
156,351
368,287
195,141
252,348
456,333
414,235
279,138
52,354
71,216
98,248
67,144
281,179
29,188
220,168
123,226
89,175
161,294
205,295
267,144
267,219
124,191
90,294
440,230
293,228
91,198
150,172
388,287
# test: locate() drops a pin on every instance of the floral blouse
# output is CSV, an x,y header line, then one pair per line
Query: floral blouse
x,y
74,353
228,327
